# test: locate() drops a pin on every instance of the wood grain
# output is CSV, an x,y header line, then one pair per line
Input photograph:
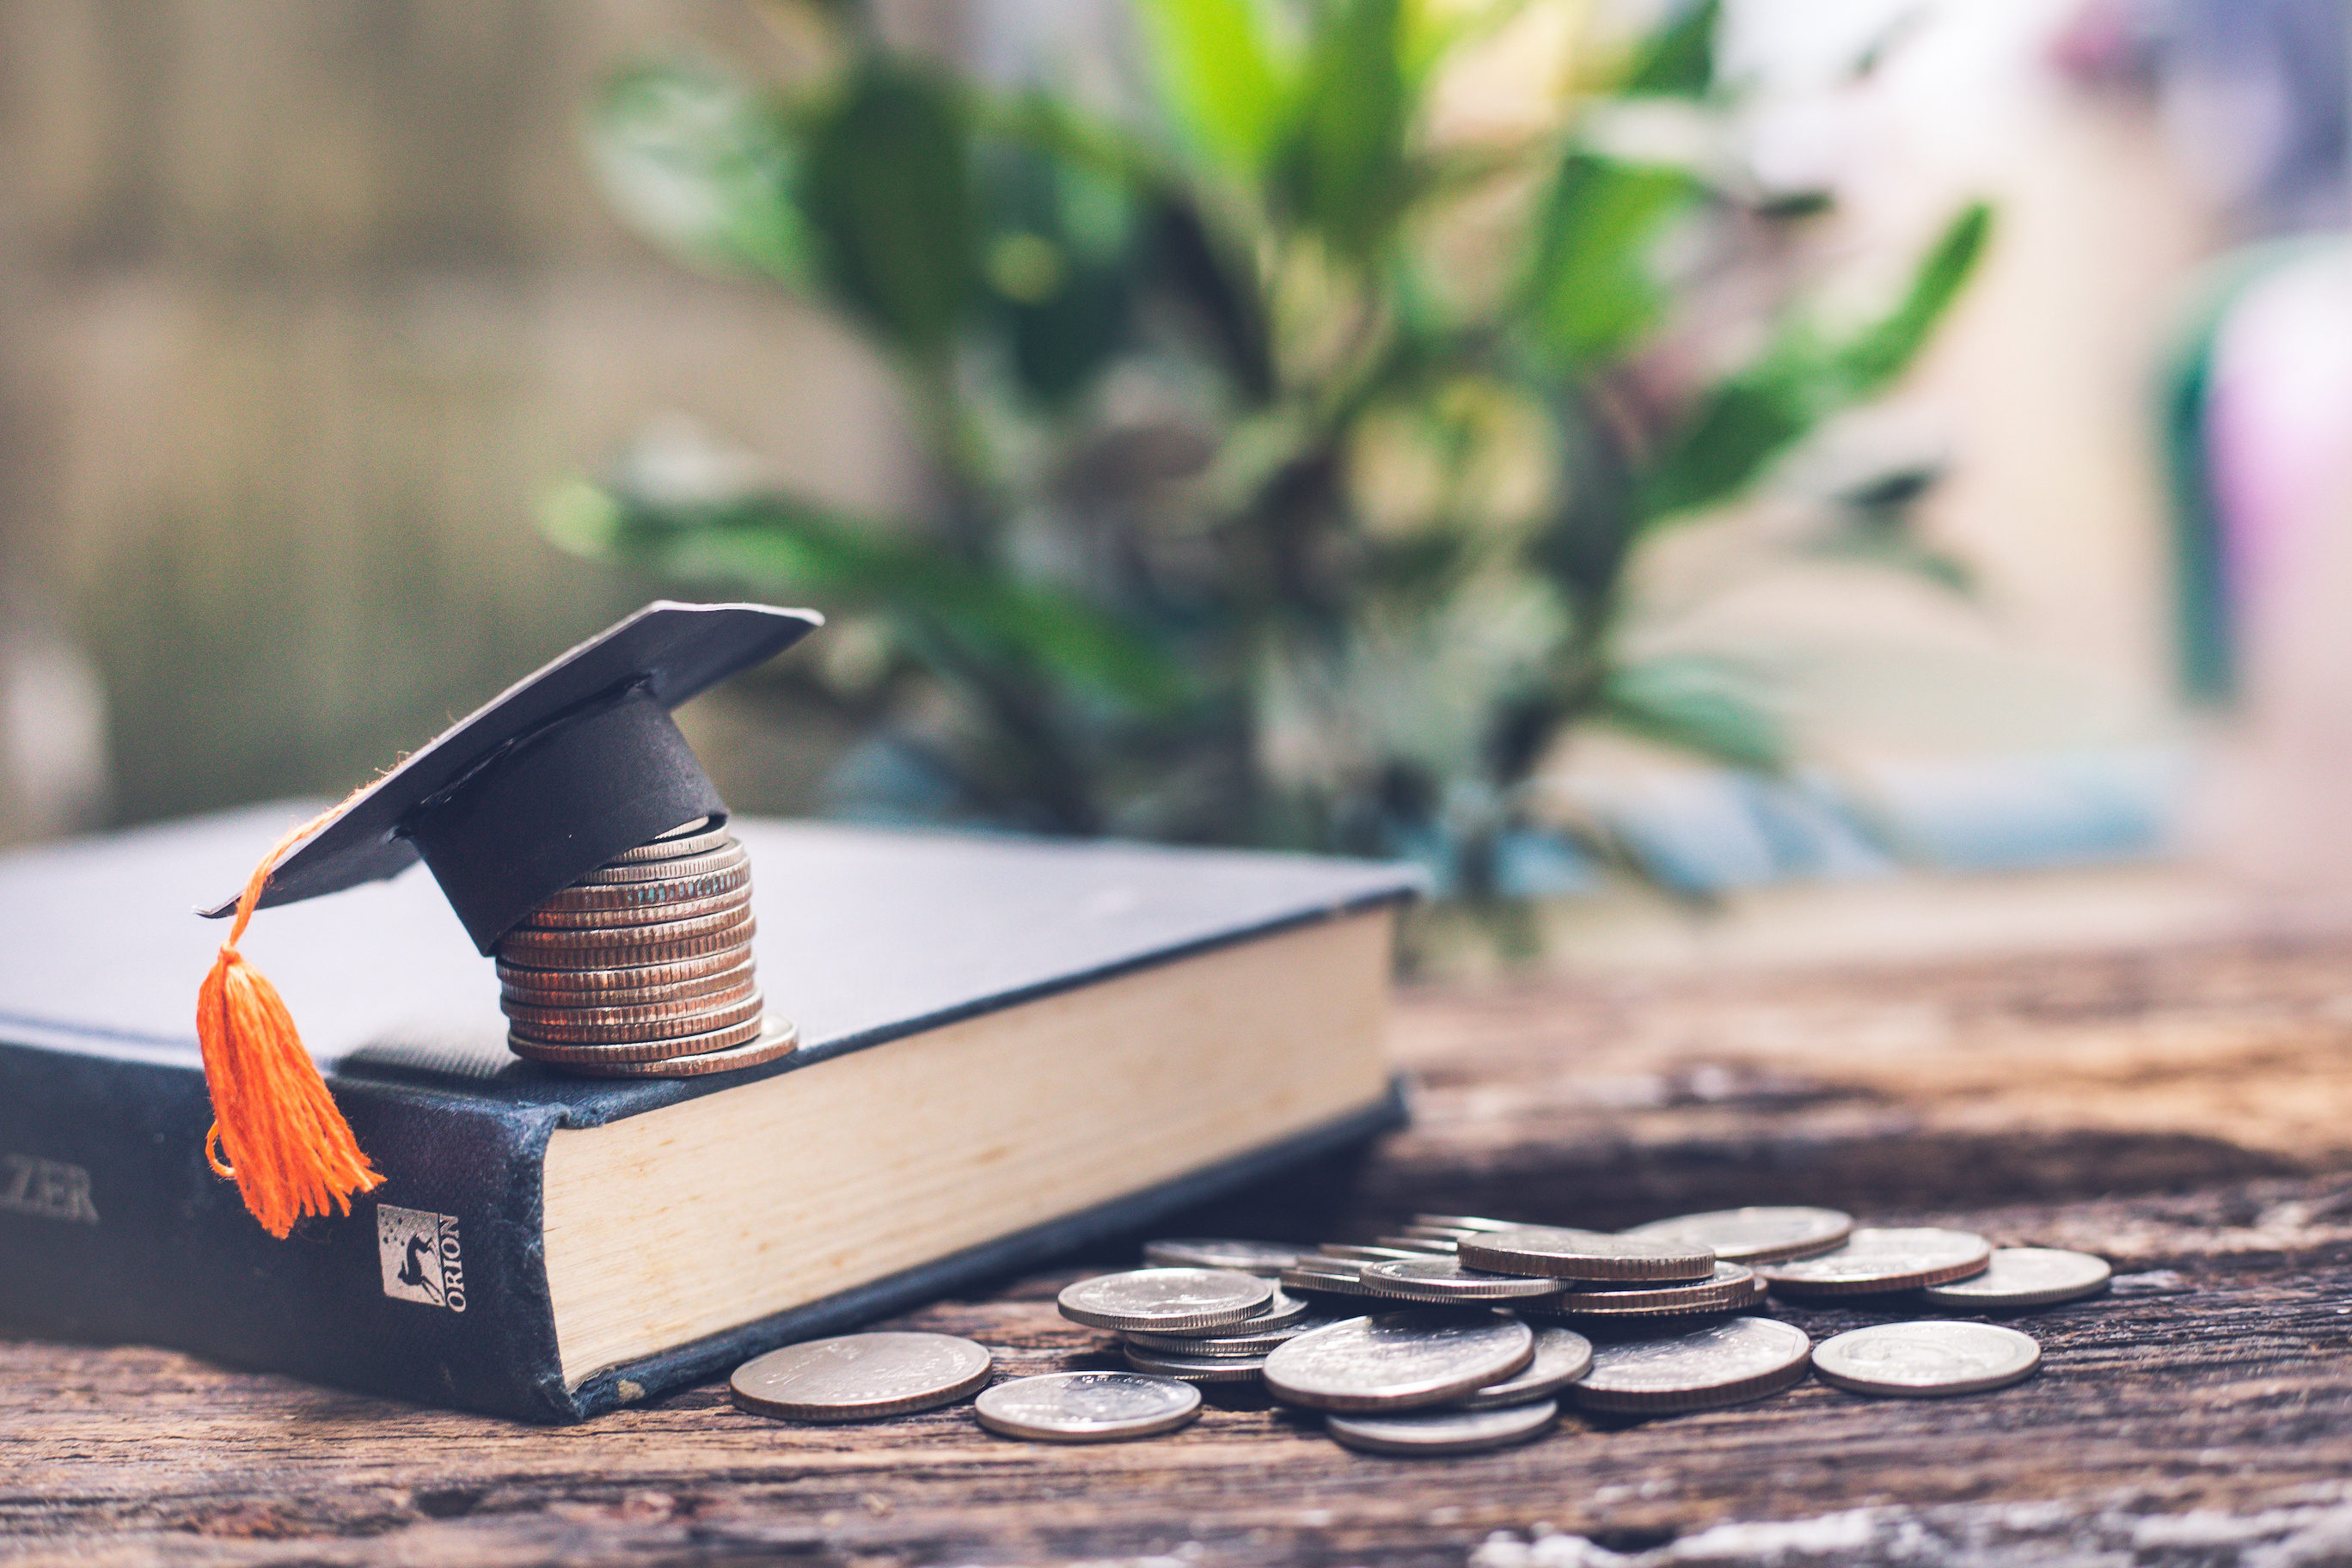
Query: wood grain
x,y
2008,1097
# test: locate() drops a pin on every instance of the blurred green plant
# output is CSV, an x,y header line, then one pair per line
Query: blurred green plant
x,y
1263,506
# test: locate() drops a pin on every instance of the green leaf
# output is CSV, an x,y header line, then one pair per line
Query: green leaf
x,y
702,167
793,547
1736,431
1743,424
888,186
1343,166
1678,59
1591,290
1697,705
1875,359
1218,75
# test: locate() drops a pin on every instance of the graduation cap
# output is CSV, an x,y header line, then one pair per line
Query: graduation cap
x,y
570,767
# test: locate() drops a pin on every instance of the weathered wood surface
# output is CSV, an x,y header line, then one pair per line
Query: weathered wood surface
x,y
2171,1112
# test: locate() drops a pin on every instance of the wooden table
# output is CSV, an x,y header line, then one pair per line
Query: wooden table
x,y
2184,1111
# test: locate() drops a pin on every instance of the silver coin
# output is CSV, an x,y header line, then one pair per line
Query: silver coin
x,y
659,947
687,839
530,945
1166,1301
547,919
1436,1233
621,874
648,1044
1427,1247
1329,1277
860,1377
1240,1339
1086,1406
1465,1222
1353,1253
1873,1262
1442,1279
1734,1285
1267,1257
1562,1355
1451,1431
1398,1361
694,1017
521,978
517,986
576,1007
1560,1254
1927,1359
1727,1363
1281,1311
1194,1368
777,1037
1755,1234
2026,1276
649,890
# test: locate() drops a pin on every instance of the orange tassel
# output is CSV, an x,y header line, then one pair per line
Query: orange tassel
x,y
276,1132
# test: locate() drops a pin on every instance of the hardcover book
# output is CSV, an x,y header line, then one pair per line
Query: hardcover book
x,y
1008,1048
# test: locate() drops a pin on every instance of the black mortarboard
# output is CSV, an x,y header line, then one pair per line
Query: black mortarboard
x,y
567,768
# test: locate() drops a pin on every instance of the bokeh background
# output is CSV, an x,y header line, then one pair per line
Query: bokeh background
x,y
307,311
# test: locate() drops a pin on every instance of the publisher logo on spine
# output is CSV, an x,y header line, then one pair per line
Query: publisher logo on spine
x,y
421,1257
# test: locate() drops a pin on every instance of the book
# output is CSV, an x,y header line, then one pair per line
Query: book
x,y
1009,1048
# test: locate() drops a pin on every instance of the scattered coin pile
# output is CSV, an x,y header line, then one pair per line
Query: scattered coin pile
x,y
642,967
1461,1334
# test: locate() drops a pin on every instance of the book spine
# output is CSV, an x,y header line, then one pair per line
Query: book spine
x,y
112,1227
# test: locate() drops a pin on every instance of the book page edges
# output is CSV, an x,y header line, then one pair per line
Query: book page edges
x,y
696,1218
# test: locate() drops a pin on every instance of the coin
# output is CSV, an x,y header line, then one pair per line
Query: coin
x,y
1329,1276
1562,1254
734,940
1267,1257
1086,1406
777,1038
519,986
1754,1235
859,1377
519,977
1240,1339
1453,1431
688,838
1436,1233
547,918
1873,1262
621,874
1445,1280
2026,1276
530,942
1465,1222
1166,1299
566,1052
1281,1310
641,891
1727,1362
1562,1355
1734,1285
1397,1361
1927,1359
1428,1246
1194,1368
695,1016
1365,1254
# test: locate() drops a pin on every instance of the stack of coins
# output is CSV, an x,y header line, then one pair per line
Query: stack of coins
x,y
642,967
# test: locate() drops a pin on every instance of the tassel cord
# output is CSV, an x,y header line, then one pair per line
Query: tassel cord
x,y
276,1132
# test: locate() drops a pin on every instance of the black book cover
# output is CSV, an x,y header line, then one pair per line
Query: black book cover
x,y
111,1226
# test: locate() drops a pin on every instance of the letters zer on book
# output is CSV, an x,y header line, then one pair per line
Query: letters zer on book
x,y
1008,1048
